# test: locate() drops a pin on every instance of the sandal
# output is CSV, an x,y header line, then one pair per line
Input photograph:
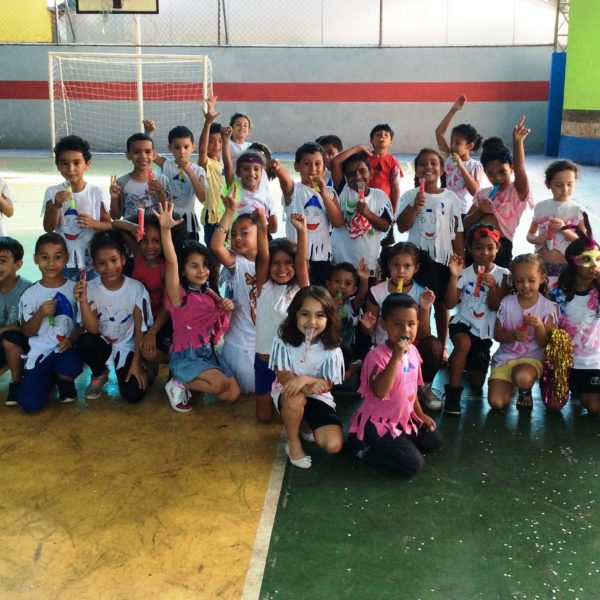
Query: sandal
x,y
302,463
525,400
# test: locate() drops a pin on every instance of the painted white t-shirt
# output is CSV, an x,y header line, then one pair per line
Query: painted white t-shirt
x,y
135,194
568,211
89,202
456,183
53,330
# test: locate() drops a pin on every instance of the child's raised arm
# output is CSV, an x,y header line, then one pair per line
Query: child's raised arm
x,y
149,129
363,285
440,130
262,250
301,262
520,132
6,203
285,181
452,296
226,153
332,207
210,116
217,241
337,161
167,222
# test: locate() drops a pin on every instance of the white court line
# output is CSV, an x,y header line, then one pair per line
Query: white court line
x,y
258,560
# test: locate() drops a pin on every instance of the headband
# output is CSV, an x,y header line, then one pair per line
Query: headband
x,y
483,232
252,158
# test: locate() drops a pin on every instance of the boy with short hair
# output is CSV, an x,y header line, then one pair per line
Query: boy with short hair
x,y
75,209
48,316
12,341
7,204
186,179
332,146
209,158
140,188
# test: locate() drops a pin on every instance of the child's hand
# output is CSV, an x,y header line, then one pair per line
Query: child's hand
x,y
295,386
368,320
318,183
320,386
489,280
227,304
338,300
182,163
556,223
115,188
361,207
138,372
455,264
363,268
155,187
230,202
261,217
48,308
419,201
521,334
426,299
80,291
457,160
209,113
534,321
429,423
165,216
274,166
485,206
85,221
149,344
399,348
520,132
64,345
298,221
226,133
149,126
459,102
61,197
365,149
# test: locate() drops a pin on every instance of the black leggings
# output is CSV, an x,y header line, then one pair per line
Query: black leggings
x,y
401,454
95,351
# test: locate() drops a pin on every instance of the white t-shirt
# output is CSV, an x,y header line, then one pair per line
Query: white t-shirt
x,y
115,314
236,150
473,310
8,195
135,194
250,201
88,202
456,183
271,310
568,211
53,330
435,225
314,361
182,193
239,284
368,244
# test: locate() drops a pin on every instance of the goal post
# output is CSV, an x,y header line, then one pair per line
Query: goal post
x,y
104,97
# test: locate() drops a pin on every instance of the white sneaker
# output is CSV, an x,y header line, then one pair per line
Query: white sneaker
x,y
178,396
429,397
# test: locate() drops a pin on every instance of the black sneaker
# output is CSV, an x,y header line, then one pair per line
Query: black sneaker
x,y
66,391
452,400
11,397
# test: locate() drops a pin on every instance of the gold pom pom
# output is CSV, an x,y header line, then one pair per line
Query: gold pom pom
x,y
557,361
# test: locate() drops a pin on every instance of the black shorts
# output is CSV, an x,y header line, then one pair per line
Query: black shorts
x,y
478,358
164,337
585,381
317,413
433,275
18,338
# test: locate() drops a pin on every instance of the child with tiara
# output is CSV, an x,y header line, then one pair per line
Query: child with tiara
x,y
554,221
523,323
463,173
281,271
199,316
504,203
577,294
477,290
390,422
307,359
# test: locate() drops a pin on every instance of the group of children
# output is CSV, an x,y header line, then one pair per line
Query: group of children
x,y
126,282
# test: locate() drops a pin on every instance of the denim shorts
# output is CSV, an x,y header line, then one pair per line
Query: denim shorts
x,y
186,365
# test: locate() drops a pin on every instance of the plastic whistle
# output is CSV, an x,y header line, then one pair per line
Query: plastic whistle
x,y
480,272
404,356
140,231
314,184
494,191
523,325
422,185
181,174
83,274
308,335
360,188
150,175
69,189
550,232
400,286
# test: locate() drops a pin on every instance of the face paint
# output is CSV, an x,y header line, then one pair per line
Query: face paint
x,y
589,259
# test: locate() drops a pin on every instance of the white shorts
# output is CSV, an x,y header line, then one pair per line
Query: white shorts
x,y
241,363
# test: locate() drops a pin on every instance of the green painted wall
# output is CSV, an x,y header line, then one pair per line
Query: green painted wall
x,y
582,89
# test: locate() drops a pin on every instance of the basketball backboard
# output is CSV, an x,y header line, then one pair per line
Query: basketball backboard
x,y
116,6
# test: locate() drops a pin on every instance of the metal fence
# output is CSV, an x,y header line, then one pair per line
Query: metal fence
x,y
308,23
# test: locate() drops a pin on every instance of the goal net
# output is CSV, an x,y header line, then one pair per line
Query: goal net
x,y
104,97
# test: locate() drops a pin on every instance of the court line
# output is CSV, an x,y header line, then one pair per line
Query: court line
x,y
260,550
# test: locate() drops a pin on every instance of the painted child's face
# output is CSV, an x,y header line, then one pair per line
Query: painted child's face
x,y
109,263
341,283
150,244
402,267
51,259
562,185
484,251
499,172
240,129
358,172
243,236
181,149
282,267
401,323
311,314
196,269
310,165
141,154
72,166
527,279
429,167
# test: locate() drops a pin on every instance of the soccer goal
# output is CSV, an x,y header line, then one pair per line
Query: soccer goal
x,y
104,97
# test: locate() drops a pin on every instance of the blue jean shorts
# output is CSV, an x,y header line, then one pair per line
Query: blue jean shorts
x,y
186,365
